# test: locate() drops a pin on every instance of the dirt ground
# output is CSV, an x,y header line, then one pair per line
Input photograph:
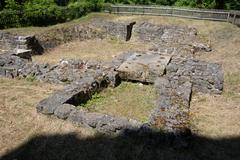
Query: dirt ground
x,y
216,118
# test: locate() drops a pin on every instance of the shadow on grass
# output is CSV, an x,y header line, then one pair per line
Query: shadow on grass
x,y
133,146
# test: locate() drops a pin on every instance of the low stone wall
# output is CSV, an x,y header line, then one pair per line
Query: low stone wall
x,y
65,72
162,36
205,77
56,36
11,43
182,76
41,42
63,104
172,110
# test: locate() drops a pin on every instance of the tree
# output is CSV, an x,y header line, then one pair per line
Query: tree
x,y
2,4
12,5
62,2
232,4
220,4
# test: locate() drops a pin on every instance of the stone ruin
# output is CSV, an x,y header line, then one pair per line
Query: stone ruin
x,y
169,65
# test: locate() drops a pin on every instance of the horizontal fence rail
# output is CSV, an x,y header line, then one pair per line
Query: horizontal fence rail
x,y
215,15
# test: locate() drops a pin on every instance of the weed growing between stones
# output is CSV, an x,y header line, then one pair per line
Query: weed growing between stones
x,y
31,78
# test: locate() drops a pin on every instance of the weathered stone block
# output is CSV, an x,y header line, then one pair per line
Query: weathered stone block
x,y
172,111
2,72
74,94
113,79
205,77
103,123
64,111
143,67
23,53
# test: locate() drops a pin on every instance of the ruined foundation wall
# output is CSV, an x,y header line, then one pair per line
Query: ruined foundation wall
x,y
11,43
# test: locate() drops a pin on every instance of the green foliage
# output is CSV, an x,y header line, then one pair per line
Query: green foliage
x,y
42,12
15,13
210,4
10,15
12,5
78,9
232,4
31,78
9,18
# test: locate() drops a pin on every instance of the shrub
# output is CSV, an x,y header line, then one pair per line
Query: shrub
x,y
9,18
44,13
77,9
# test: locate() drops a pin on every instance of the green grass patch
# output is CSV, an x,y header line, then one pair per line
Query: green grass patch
x,y
232,89
131,100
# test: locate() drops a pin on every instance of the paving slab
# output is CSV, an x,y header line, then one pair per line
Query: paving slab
x,y
143,67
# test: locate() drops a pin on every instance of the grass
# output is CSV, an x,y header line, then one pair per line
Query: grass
x,y
90,49
31,78
131,100
19,120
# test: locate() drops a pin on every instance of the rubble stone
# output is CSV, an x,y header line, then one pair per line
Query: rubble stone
x,y
64,111
103,123
205,77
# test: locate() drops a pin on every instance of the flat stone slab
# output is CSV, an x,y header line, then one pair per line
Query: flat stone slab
x,y
23,53
143,67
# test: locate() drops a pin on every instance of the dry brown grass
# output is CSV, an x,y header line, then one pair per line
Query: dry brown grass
x,y
19,120
218,116
102,50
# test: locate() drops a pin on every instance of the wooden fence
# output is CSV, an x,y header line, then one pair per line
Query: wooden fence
x,y
215,15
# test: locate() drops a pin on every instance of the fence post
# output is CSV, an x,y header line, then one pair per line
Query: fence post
x,y
234,18
228,17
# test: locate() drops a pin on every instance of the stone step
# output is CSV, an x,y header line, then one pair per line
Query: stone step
x,y
23,53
